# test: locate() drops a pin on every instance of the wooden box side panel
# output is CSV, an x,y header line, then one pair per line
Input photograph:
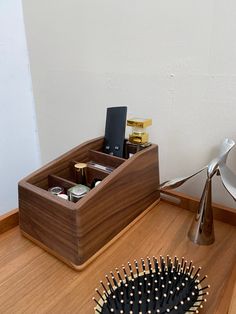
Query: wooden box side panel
x,y
118,200
47,221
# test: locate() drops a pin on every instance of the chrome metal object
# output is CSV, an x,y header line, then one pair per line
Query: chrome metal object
x,y
202,228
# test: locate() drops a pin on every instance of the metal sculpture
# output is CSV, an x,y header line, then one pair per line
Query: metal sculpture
x,y
202,228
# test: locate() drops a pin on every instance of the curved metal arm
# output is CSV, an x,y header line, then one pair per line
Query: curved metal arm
x,y
224,150
175,183
228,179
202,228
212,167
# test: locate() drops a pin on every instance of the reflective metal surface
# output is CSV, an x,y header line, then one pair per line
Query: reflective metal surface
x,y
228,179
202,228
177,182
224,150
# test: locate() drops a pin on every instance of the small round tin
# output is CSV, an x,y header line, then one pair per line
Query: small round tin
x,y
77,192
56,190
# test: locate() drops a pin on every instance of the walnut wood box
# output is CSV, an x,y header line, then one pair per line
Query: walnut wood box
x,y
75,232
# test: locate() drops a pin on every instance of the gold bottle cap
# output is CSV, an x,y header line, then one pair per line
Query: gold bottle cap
x,y
139,122
80,165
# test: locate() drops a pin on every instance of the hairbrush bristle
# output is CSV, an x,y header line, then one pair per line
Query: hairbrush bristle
x,y
152,286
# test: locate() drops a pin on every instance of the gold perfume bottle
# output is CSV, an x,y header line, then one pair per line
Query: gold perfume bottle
x,y
138,139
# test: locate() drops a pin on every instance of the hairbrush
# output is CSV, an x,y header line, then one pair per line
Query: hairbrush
x,y
152,286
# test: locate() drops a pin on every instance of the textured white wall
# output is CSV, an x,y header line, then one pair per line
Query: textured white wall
x,y
19,149
174,61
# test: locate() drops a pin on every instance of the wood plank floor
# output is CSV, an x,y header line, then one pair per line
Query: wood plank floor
x,y
32,281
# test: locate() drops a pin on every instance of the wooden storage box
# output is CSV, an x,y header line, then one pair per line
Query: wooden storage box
x,y
74,232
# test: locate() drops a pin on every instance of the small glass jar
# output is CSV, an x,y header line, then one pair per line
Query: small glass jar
x,y
56,190
77,192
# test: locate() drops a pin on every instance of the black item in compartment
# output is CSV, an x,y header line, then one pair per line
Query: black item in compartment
x,y
115,131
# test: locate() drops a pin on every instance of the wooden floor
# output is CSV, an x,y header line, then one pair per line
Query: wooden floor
x,y
32,281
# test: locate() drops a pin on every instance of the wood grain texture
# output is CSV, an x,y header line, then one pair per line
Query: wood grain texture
x,y
100,251
120,197
229,294
54,180
232,308
222,213
33,281
91,173
49,219
9,220
76,231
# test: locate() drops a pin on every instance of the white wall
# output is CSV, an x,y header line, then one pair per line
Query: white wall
x,y
19,149
174,61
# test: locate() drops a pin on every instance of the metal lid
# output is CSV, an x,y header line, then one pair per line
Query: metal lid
x,y
78,190
55,190
80,165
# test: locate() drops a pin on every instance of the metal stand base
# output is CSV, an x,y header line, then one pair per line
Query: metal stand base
x,y
202,229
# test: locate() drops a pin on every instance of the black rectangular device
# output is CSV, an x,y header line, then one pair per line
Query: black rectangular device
x,y
115,131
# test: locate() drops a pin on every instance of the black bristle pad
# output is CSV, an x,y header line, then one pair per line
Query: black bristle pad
x,y
153,287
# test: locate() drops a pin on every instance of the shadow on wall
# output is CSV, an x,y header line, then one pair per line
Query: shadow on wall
x,y
19,139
